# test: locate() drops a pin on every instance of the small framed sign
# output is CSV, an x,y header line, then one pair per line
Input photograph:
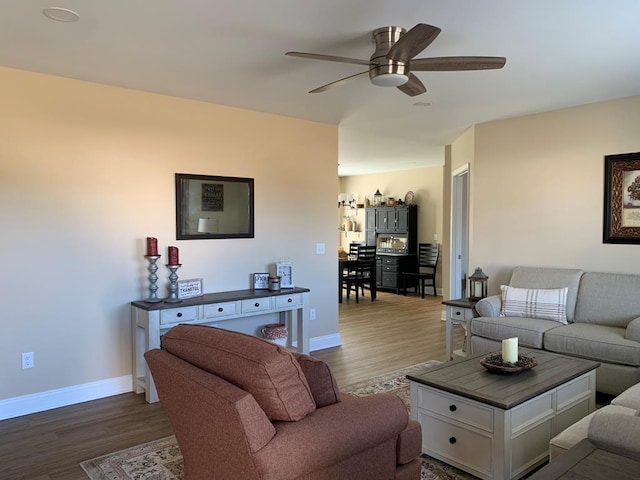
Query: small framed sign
x,y
190,288
260,281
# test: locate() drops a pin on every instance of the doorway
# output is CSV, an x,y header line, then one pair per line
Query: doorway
x,y
459,231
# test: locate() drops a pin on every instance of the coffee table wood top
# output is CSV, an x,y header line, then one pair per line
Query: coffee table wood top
x,y
469,379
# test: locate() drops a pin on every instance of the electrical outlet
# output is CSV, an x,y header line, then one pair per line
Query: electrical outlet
x,y
27,360
312,314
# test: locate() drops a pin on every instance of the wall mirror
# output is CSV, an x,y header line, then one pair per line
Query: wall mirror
x,y
213,207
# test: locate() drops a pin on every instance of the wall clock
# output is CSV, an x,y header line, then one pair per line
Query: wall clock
x,y
285,271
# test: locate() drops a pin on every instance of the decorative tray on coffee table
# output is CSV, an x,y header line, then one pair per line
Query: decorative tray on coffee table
x,y
493,363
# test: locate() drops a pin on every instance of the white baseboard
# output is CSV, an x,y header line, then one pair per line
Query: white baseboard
x,y
325,341
61,397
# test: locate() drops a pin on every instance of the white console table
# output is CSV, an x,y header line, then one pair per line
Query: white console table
x,y
149,321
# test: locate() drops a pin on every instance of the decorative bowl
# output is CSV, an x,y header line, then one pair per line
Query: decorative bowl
x,y
493,363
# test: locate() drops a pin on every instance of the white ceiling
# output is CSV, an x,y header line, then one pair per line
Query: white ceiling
x,y
559,53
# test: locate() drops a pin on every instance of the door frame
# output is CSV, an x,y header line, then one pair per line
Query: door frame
x,y
459,231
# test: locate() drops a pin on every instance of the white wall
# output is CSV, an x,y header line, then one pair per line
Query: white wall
x,y
87,173
537,189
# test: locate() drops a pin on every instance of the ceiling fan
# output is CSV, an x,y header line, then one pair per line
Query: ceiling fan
x,y
392,64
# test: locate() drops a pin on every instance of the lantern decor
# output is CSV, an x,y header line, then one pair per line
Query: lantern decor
x,y
377,198
478,285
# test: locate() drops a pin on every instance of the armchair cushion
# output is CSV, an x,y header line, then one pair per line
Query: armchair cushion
x,y
266,370
349,427
323,386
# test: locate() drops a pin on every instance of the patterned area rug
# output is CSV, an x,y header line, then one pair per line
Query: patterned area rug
x,y
162,459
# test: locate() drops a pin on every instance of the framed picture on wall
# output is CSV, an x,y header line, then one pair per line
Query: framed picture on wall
x,y
621,199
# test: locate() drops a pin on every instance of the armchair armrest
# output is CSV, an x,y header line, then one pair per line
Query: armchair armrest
x,y
333,434
633,330
489,306
614,431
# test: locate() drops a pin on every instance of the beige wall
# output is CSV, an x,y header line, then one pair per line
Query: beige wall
x,y
537,189
87,172
425,183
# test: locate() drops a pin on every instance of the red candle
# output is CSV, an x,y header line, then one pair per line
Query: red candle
x,y
173,256
152,246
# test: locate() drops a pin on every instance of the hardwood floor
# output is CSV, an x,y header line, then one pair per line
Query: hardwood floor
x,y
377,337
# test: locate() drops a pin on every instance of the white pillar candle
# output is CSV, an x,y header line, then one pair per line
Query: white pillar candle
x,y
510,350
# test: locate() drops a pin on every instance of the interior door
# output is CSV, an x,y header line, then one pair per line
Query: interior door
x,y
459,231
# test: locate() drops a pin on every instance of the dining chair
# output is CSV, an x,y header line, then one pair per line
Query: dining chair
x,y
428,256
362,274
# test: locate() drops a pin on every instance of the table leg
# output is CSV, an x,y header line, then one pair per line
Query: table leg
x,y
449,334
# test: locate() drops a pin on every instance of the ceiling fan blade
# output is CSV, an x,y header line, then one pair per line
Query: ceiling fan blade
x,y
413,87
413,42
448,64
328,58
338,82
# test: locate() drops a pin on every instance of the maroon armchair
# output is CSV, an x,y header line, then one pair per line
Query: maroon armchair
x,y
244,408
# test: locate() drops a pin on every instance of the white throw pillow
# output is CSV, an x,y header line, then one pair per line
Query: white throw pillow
x,y
543,303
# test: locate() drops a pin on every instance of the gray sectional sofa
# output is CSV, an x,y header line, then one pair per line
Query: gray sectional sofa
x,y
615,427
602,315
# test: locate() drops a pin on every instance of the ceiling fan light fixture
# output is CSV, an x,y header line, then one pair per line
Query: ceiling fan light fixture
x,y
60,14
390,79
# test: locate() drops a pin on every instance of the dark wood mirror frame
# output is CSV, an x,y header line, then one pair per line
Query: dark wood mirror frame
x,y
213,207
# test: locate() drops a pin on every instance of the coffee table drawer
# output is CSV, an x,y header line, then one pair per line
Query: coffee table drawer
x,y
575,391
455,444
456,408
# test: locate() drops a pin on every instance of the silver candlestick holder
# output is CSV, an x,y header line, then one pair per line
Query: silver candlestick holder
x,y
173,284
153,278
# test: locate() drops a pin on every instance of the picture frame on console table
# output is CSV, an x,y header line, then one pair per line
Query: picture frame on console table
x,y
260,281
621,219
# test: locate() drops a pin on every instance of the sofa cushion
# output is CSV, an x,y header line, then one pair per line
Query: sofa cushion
x,y
266,370
597,342
542,303
530,331
608,299
318,374
543,277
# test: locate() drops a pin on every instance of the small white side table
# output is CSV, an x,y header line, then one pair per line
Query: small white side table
x,y
459,312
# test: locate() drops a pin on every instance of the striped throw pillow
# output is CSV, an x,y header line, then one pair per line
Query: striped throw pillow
x,y
543,303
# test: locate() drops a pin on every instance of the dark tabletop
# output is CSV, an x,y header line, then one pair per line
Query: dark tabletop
x,y
219,297
469,379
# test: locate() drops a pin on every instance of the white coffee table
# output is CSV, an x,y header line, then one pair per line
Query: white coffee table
x,y
499,426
